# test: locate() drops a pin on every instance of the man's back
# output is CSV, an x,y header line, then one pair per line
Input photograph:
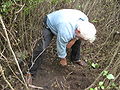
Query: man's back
x,y
66,15
69,17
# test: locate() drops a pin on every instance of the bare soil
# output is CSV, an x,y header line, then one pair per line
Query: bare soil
x,y
52,76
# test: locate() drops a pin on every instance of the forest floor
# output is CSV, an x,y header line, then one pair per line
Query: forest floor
x,y
52,76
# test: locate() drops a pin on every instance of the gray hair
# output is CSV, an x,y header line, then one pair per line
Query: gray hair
x,y
87,30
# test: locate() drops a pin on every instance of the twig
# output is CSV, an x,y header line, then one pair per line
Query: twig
x,y
114,80
116,65
62,85
103,43
33,62
2,52
11,68
58,84
116,77
9,44
16,3
69,74
92,6
3,75
86,5
20,9
33,86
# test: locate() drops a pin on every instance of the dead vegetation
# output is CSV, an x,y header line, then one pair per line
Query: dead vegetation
x,y
24,29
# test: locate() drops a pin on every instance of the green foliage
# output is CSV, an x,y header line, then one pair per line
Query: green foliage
x,y
101,83
30,5
33,2
95,65
68,0
113,84
78,7
91,88
108,75
54,1
94,88
6,7
100,87
104,73
94,21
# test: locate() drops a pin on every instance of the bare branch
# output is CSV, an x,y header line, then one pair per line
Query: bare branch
x,y
3,75
105,68
20,9
9,44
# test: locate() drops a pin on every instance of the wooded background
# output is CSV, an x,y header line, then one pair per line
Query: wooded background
x,y
21,26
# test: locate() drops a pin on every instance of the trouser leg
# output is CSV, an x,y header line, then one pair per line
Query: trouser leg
x,y
39,49
75,52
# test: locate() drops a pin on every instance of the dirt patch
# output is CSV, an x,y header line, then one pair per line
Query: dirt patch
x,y
52,76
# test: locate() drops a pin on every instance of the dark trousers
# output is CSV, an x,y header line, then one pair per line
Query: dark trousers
x,y
75,51
43,44
39,50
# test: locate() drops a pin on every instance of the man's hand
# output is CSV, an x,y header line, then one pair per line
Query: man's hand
x,y
63,61
70,44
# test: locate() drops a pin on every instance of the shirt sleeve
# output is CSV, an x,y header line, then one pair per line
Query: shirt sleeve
x,y
63,37
61,47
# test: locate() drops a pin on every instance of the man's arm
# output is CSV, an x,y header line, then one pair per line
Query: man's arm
x,y
70,44
61,49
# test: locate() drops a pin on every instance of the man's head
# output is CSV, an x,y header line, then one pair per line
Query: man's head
x,y
86,31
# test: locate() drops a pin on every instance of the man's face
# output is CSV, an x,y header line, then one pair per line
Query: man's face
x,y
78,34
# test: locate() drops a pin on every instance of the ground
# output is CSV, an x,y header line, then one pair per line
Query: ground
x,y
72,77
52,76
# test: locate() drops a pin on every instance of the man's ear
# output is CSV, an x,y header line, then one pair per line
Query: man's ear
x,y
77,31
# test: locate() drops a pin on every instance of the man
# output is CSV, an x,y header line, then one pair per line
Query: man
x,y
71,27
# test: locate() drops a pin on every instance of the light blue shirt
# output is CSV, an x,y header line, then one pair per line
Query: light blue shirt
x,y
63,24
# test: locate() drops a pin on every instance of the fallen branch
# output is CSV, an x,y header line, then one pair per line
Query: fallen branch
x,y
36,87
